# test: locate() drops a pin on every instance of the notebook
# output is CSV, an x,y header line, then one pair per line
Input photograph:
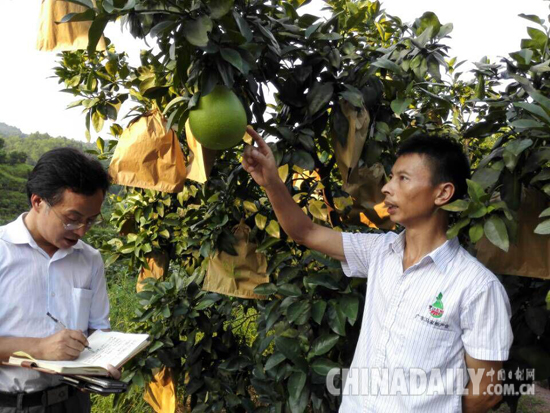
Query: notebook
x,y
111,347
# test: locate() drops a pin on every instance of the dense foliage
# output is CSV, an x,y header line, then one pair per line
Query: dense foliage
x,y
274,354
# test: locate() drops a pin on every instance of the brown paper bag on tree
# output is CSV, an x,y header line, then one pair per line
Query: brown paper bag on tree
x,y
158,262
62,36
530,256
149,156
363,183
347,157
161,392
237,276
201,159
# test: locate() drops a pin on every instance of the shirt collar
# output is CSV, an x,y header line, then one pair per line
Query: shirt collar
x,y
17,232
441,256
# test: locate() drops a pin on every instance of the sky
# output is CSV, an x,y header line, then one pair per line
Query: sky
x,y
30,99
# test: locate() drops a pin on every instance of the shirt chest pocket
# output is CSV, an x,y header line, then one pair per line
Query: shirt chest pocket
x,y
426,346
82,303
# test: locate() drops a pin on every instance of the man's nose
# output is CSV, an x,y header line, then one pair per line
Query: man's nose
x,y
81,231
386,188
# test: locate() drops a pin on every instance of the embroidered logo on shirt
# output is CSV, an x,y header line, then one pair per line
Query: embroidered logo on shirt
x,y
436,309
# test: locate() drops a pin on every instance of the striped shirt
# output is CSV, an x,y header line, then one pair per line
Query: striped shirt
x,y
425,318
70,285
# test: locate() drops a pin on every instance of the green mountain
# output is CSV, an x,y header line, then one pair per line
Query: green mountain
x,y
36,144
7,130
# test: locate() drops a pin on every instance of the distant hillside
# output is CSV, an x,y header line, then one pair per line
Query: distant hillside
x,y
7,130
36,144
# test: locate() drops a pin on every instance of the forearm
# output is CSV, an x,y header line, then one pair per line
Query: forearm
x,y
289,215
478,403
9,345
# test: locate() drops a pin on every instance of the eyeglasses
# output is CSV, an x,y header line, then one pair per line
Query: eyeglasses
x,y
71,225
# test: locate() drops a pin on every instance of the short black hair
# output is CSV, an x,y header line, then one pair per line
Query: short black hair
x,y
447,160
66,168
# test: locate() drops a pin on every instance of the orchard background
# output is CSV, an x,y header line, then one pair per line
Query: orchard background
x,y
273,355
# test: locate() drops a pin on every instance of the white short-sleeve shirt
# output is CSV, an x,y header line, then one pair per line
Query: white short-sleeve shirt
x,y
423,318
70,285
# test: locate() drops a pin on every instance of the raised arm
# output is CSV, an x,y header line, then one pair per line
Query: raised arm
x,y
259,162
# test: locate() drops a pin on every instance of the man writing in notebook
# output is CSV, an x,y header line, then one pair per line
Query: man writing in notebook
x,y
52,284
429,305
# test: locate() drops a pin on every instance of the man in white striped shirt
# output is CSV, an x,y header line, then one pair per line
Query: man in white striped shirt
x,y
431,309
53,285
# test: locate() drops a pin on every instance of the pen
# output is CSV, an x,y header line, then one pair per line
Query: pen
x,y
59,323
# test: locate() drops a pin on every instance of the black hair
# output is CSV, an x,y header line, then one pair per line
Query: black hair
x,y
447,160
66,168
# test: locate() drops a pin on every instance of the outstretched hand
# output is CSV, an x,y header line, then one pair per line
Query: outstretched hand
x,y
259,161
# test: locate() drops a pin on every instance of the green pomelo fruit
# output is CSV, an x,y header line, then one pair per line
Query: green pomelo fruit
x,y
219,120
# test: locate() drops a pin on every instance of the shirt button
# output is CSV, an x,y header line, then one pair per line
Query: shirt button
x,y
53,294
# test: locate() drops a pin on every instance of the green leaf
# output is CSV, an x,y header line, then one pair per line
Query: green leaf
x,y
324,279
234,58
196,31
545,213
299,312
323,366
289,290
336,318
543,228
243,26
88,15
265,289
428,20
496,232
296,384
400,105
477,210
318,311
526,124
290,347
350,307
323,344
475,190
273,229
312,29
534,109
219,8
475,233
260,221
318,96
384,63
111,259
532,17
96,31
303,159
97,121
455,229
274,360
486,177
540,39
457,206
548,301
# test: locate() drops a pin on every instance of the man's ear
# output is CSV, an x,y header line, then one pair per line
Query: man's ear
x,y
37,202
444,194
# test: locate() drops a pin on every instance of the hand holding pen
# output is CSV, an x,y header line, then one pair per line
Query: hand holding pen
x,y
64,345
